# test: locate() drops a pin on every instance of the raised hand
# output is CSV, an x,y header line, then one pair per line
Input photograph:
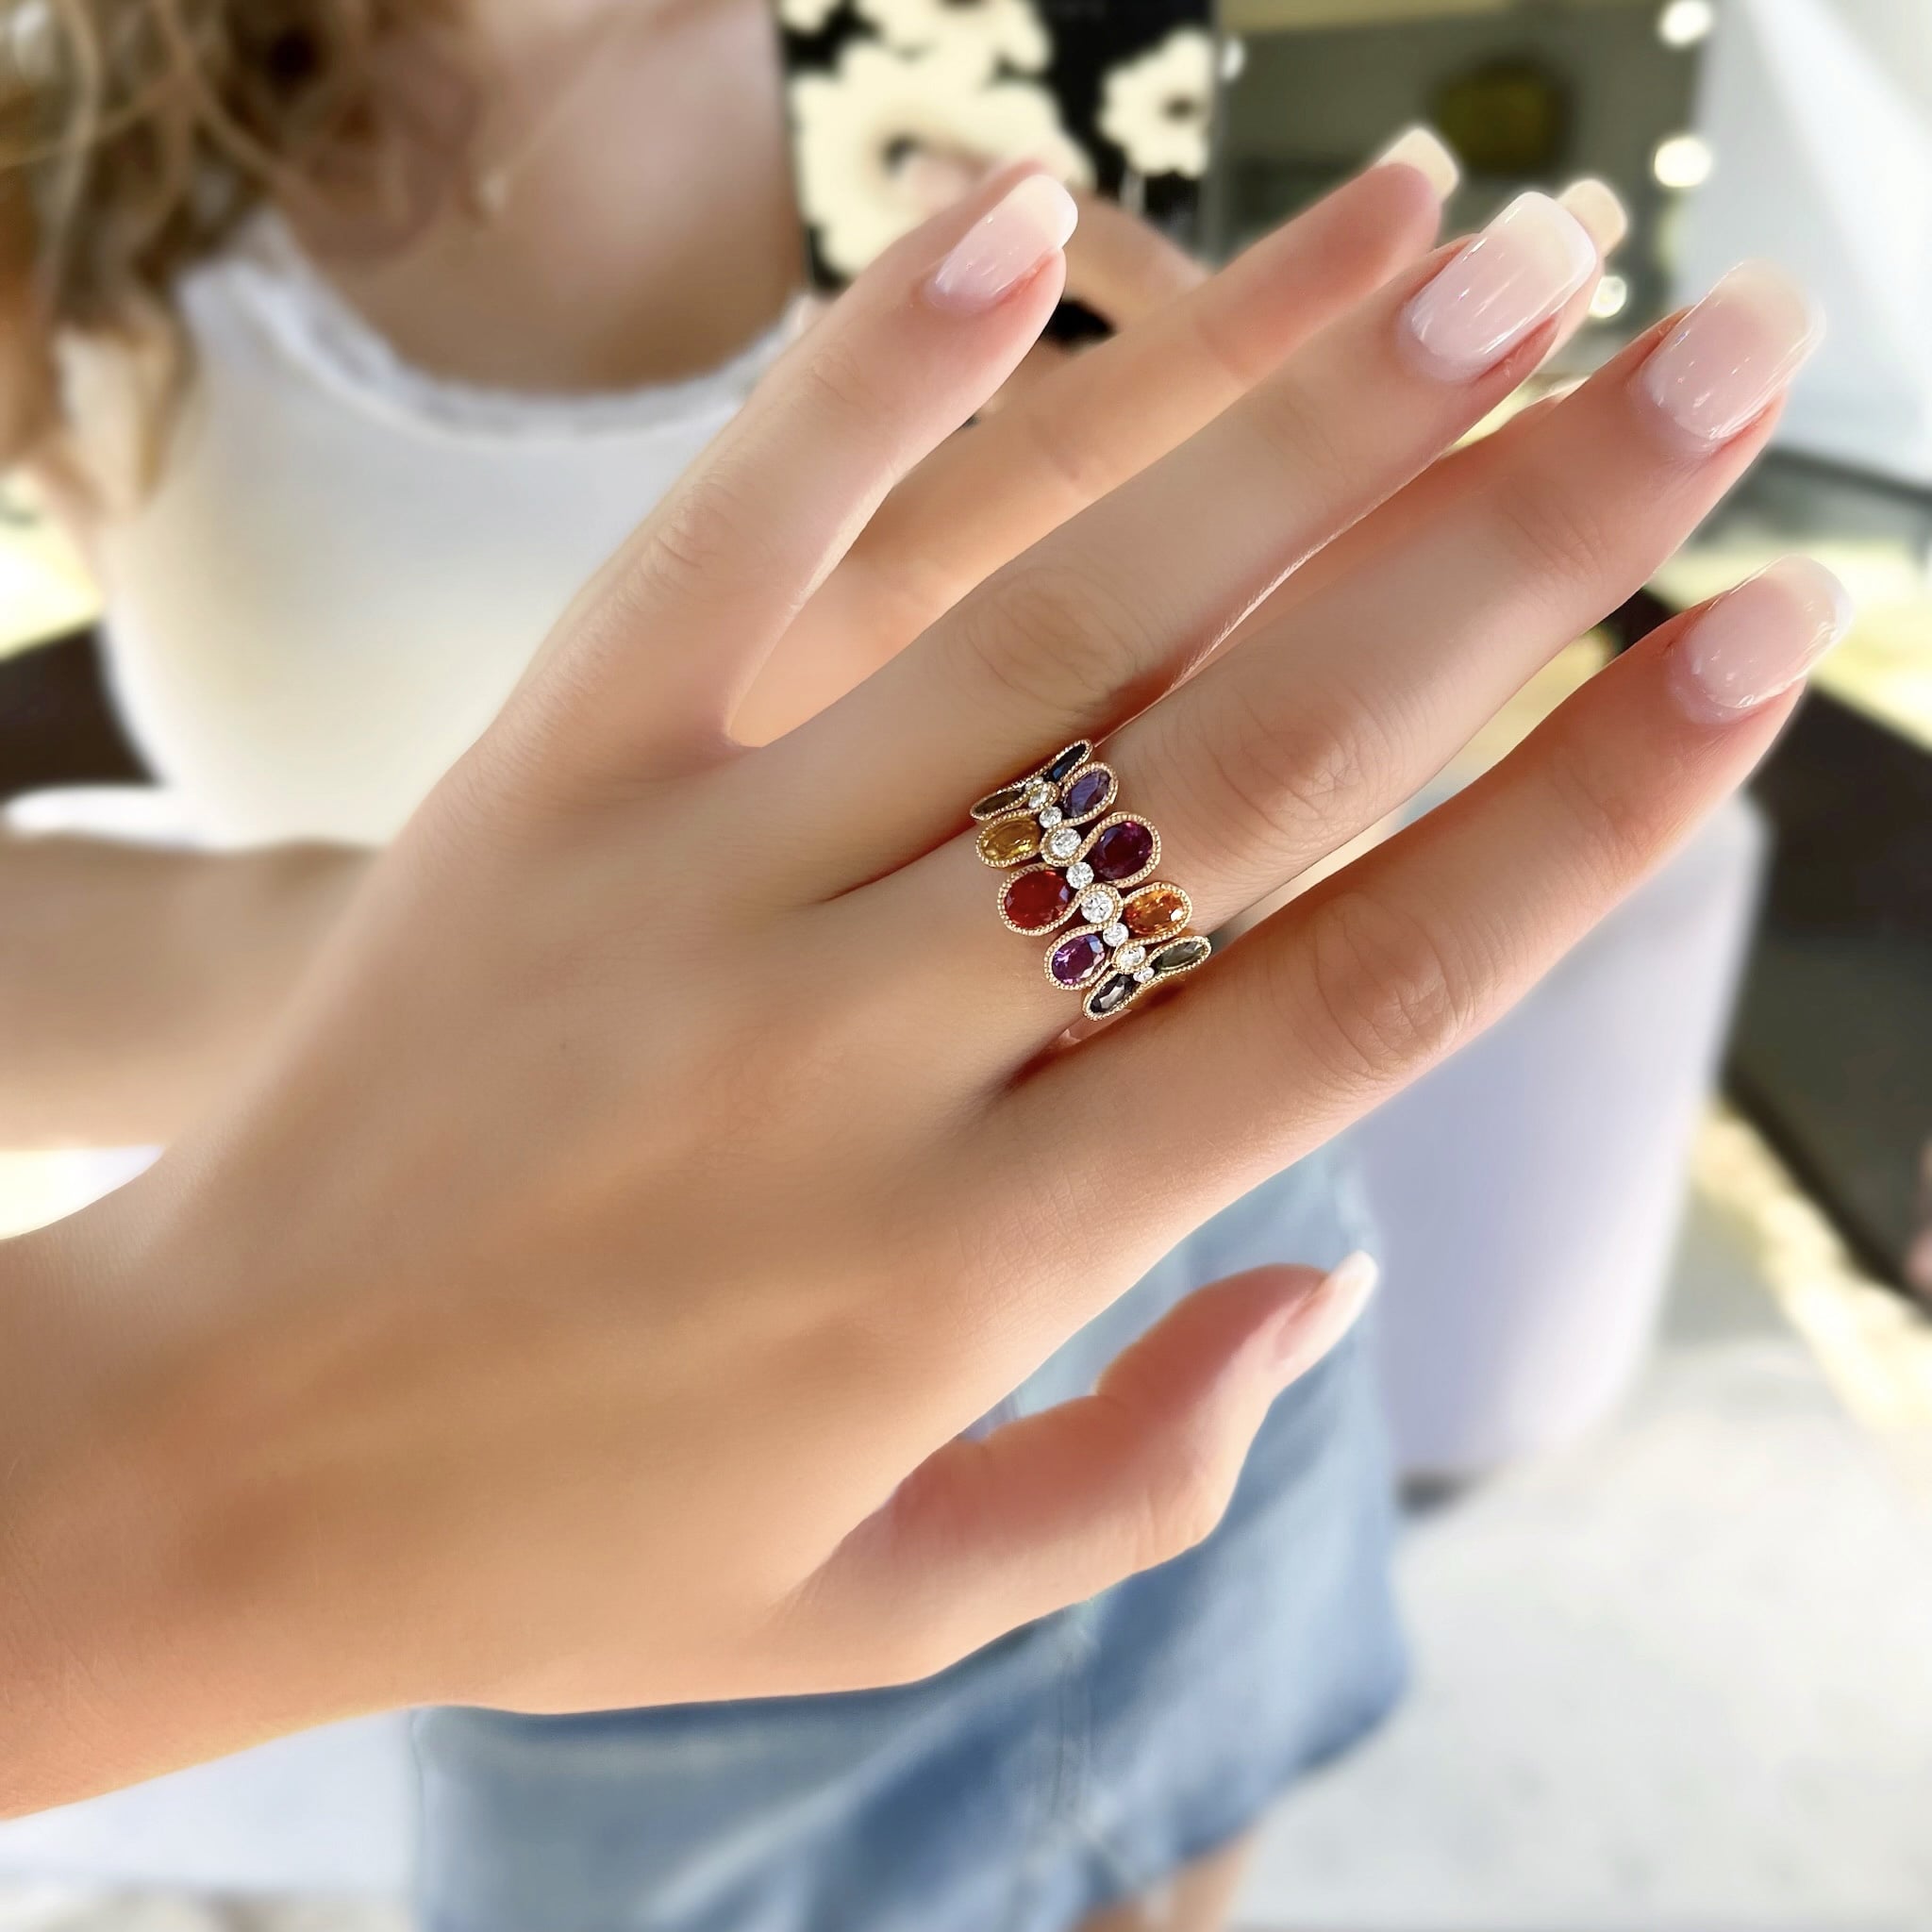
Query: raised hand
x,y
676,1153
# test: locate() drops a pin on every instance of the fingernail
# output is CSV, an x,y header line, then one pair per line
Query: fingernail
x,y
1422,149
1004,247
1335,1300
1516,274
1595,205
1724,364
1759,640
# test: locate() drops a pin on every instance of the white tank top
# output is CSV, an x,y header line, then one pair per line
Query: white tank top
x,y
348,563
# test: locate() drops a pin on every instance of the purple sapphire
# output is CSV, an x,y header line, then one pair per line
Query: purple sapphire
x,y
1121,851
1076,960
1087,792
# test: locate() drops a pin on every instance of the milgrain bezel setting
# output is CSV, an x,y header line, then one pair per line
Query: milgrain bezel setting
x,y
1010,818
1169,959
1077,778
1009,878
1054,772
1094,835
1100,969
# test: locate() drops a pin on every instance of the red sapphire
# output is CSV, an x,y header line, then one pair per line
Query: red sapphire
x,y
1087,792
1121,851
1037,899
1076,960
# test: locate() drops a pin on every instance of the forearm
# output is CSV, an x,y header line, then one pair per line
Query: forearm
x,y
135,984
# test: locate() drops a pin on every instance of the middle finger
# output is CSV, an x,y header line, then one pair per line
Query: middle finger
x,y
1093,622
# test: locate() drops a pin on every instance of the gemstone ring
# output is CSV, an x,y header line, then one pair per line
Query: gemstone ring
x,y
1069,857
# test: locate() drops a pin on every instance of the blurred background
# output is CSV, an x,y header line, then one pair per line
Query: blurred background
x,y
1655,1332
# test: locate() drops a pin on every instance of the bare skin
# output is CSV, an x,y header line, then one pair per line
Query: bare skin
x,y
552,1376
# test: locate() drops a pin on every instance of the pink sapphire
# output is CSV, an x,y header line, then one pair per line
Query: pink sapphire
x,y
1087,792
1036,899
1121,851
1075,961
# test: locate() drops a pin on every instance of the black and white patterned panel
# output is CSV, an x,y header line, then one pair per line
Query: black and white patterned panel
x,y
1114,95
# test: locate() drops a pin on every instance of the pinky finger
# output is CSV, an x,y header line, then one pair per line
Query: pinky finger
x,y
992,1533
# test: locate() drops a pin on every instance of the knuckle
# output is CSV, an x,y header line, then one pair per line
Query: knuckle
x,y
1549,528
1236,362
1302,436
1618,825
703,538
1277,786
1075,462
843,381
1184,1506
1385,995
1052,640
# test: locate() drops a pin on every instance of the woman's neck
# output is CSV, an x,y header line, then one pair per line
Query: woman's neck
x,y
643,233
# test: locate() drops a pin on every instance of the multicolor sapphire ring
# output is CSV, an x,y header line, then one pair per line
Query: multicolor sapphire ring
x,y
1072,858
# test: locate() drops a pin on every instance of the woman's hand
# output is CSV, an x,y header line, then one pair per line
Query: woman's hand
x,y
675,1154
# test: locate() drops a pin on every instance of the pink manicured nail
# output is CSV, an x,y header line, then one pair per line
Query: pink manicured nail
x,y
1724,364
1594,202
1422,149
1759,640
1516,274
1004,246
1339,1295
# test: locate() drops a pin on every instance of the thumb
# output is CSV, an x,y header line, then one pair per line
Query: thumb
x,y
990,1534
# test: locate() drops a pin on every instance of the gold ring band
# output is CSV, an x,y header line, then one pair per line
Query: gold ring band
x,y
1082,873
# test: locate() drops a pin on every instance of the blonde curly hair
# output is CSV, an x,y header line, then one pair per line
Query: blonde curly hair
x,y
137,135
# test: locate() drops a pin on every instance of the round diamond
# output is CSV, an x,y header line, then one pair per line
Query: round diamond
x,y
1063,842
1130,957
1096,907
1040,796
1081,875
1116,935
1050,815
1144,973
